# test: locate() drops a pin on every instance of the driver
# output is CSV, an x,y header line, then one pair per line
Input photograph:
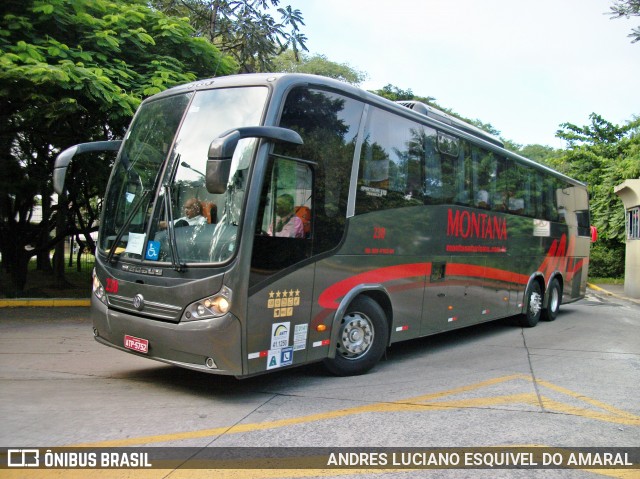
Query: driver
x,y
192,215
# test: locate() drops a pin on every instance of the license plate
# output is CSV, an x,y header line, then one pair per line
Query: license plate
x,y
136,344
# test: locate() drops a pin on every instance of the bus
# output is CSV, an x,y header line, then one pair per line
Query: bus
x,y
264,221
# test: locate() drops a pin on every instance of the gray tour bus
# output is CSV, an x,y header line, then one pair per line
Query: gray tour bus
x,y
257,222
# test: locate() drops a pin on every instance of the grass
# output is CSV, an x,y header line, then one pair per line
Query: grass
x,y
42,284
596,280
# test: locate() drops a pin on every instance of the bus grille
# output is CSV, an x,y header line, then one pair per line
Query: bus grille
x,y
151,309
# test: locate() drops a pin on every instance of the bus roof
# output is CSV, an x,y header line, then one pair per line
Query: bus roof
x,y
443,117
411,109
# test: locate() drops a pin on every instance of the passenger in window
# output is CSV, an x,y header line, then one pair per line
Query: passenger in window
x,y
499,202
462,198
288,225
482,199
516,206
192,215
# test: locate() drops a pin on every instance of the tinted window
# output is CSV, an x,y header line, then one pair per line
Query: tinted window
x,y
399,164
328,124
284,226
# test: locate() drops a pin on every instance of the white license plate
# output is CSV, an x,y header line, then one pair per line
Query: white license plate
x,y
136,344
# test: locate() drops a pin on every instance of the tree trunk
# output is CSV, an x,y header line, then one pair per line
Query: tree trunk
x,y
71,244
58,256
79,257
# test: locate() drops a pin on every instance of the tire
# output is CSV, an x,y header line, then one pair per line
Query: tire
x,y
534,306
555,298
362,338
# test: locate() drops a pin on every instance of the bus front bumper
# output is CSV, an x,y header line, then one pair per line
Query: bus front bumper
x,y
209,345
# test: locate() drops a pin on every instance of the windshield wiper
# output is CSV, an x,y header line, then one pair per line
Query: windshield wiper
x,y
126,224
175,261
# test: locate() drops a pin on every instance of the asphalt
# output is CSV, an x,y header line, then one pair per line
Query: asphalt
x,y
610,290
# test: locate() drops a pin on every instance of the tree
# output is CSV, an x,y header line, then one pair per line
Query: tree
x,y
627,8
244,29
73,72
603,155
542,154
289,62
394,93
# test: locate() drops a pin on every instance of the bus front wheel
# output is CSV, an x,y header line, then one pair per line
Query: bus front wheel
x,y
534,306
362,338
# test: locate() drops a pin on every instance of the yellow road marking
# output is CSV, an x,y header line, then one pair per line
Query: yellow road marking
x,y
593,402
432,401
244,473
191,473
467,388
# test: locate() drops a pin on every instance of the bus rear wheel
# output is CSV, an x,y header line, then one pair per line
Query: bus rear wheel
x,y
534,306
362,338
555,298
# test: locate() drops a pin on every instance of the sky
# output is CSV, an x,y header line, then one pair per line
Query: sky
x,y
525,67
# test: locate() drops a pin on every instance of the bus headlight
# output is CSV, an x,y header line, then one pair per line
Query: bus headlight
x,y
98,289
211,307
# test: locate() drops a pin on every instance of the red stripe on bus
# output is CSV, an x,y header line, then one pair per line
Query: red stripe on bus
x,y
555,258
477,271
330,297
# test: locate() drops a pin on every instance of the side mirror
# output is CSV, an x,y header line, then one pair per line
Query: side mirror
x,y
222,148
64,158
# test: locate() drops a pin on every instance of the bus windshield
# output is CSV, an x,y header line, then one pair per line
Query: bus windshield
x,y
157,207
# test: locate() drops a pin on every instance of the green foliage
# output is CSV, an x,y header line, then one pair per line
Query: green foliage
x,y
289,62
600,132
627,8
539,153
395,93
606,262
603,155
243,29
111,54
72,72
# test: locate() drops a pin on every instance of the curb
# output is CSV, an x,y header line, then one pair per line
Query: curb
x,y
44,303
613,295
598,288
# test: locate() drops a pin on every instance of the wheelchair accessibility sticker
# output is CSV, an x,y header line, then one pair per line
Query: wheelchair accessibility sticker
x,y
280,357
153,250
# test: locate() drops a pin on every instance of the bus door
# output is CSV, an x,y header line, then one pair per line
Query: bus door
x,y
454,294
280,283
502,291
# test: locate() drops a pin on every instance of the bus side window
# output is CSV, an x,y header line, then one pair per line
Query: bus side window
x,y
484,177
520,198
451,162
392,163
284,223
286,204
549,198
503,186
435,191
463,178
329,124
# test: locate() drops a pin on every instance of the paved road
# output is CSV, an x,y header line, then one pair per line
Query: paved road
x,y
570,383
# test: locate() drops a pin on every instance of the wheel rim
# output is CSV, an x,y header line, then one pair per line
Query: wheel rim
x,y
356,336
535,303
554,301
